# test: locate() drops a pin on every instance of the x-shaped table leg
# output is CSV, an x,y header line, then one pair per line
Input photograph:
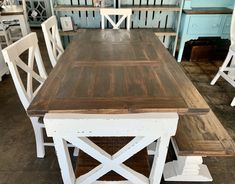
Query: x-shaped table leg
x,y
112,162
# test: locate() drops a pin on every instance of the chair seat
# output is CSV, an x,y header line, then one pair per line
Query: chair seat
x,y
139,162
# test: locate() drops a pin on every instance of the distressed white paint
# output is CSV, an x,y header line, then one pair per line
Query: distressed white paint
x,y
146,128
186,168
52,39
11,55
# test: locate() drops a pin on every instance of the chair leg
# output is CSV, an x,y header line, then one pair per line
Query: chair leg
x,y
102,22
233,102
224,65
40,148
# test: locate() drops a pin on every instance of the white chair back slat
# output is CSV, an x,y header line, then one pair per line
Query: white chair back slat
x,y
52,39
125,13
145,127
227,70
12,57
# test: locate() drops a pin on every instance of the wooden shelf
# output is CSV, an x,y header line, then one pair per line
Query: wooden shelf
x,y
134,8
158,32
165,32
152,7
75,8
209,11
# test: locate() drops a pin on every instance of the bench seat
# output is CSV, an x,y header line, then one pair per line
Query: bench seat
x,y
202,135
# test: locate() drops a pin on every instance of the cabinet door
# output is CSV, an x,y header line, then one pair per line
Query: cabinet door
x,y
227,25
205,24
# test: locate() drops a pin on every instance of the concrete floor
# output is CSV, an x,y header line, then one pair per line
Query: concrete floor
x,y
18,162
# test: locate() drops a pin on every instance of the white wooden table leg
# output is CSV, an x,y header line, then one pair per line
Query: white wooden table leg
x,y
64,160
159,160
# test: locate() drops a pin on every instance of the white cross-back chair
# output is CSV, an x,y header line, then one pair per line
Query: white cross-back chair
x,y
12,57
5,34
76,128
52,38
227,70
14,23
124,13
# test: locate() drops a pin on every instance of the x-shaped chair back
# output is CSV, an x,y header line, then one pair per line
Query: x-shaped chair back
x,y
227,70
123,12
12,58
76,128
52,39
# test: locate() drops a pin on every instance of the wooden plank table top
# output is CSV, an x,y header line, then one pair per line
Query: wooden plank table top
x,y
117,71
11,10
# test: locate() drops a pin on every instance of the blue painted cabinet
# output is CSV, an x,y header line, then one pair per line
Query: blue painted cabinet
x,y
204,18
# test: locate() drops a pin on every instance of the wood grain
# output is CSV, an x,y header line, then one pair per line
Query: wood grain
x,y
203,135
209,11
116,71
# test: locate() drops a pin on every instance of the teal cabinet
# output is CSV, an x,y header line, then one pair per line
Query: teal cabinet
x,y
206,25
204,18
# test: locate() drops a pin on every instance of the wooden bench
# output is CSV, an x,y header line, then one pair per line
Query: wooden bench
x,y
197,137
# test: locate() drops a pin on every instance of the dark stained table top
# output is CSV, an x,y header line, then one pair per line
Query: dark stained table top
x,y
117,71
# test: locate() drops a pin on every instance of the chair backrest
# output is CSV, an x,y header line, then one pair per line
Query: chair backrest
x,y
124,12
12,55
145,127
4,32
232,30
52,38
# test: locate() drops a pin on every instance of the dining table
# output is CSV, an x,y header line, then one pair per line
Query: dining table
x,y
117,72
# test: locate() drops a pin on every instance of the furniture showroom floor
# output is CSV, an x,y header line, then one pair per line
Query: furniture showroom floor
x,y
18,162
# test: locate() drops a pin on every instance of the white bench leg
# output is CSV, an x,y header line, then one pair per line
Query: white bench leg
x,y
187,168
